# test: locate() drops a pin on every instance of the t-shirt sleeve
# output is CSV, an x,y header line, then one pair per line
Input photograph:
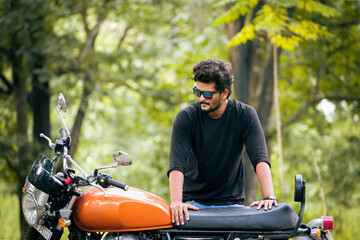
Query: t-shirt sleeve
x,y
180,142
255,143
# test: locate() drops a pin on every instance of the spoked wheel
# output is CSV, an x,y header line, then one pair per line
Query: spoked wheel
x,y
32,234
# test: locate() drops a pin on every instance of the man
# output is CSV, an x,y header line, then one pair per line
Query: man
x,y
207,142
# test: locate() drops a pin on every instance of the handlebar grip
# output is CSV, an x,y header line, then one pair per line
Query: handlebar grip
x,y
115,183
62,133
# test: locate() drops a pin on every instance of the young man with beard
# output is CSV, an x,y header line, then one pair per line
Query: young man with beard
x,y
207,142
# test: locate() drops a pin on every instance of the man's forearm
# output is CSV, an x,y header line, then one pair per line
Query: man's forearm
x,y
176,182
264,175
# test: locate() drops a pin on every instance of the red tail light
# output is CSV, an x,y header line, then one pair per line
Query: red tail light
x,y
327,222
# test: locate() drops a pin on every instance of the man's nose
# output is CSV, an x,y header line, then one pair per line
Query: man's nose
x,y
202,98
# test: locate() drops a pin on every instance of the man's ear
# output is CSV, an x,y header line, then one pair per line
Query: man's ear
x,y
224,94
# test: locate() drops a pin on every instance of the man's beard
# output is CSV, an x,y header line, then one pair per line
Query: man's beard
x,y
211,109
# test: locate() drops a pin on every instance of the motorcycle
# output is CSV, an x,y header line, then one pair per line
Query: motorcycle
x,y
111,210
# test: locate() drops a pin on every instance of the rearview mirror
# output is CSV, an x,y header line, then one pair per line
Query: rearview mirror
x,y
62,102
122,158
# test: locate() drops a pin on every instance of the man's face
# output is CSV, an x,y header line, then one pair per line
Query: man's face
x,y
209,105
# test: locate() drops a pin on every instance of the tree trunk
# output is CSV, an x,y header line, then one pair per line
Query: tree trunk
x,y
75,132
40,82
90,72
41,107
24,153
265,90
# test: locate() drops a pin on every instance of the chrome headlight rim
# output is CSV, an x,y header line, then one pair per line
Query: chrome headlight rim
x,y
31,213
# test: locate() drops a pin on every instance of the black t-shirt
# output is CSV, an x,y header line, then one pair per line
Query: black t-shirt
x,y
208,151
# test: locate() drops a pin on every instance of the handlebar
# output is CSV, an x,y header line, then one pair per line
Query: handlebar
x,y
105,180
62,133
64,149
115,183
68,157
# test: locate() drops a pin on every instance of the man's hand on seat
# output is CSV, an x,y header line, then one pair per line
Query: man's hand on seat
x,y
267,204
178,210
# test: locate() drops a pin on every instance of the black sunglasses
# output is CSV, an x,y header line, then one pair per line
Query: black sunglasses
x,y
206,94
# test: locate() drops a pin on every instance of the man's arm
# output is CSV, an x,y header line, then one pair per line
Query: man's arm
x,y
264,176
177,207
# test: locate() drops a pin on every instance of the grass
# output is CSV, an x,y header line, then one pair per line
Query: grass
x,y
9,217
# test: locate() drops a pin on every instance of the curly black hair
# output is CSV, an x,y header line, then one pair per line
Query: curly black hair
x,y
215,70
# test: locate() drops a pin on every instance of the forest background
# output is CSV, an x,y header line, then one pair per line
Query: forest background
x,y
125,70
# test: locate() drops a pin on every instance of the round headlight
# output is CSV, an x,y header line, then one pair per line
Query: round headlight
x,y
30,208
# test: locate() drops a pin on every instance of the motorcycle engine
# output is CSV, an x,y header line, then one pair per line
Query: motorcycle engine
x,y
122,236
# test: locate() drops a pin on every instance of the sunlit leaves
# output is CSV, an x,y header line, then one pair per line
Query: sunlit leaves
x,y
281,22
285,42
247,33
239,9
318,8
284,3
308,30
271,19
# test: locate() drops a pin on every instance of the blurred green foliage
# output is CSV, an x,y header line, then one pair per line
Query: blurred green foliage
x,y
9,217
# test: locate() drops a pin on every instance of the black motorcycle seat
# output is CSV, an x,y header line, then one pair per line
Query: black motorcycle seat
x,y
278,218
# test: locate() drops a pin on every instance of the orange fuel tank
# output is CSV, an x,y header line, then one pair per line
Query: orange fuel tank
x,y
132,210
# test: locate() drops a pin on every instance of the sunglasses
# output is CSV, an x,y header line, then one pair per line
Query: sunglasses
x,y
206,94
